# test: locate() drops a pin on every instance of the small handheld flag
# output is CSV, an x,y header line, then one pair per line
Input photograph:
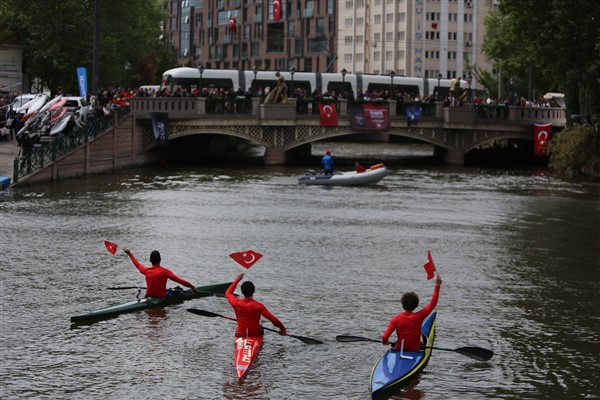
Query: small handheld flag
x,y
429,266
111,247
246,258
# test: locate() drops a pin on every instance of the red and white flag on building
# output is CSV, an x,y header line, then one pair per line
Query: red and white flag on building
x,y
541,136
276,10
232,24
328,114
246,258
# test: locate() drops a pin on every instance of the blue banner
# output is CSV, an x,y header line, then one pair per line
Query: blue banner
x,y
82,81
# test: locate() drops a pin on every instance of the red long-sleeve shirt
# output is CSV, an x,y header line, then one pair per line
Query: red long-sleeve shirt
x,y
248,313
156,278
408,325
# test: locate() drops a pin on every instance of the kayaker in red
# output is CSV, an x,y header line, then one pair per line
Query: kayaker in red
x,y
249,311
408,323
156,276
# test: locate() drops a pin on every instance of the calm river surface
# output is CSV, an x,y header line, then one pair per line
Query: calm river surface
x,y
519,252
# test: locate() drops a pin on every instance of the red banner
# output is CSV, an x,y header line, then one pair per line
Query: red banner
x,y
328,113
276,10
246,258
541,136
369,116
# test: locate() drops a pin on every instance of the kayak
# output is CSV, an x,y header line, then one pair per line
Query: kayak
x,y
246,351
143,303
369,177
398,368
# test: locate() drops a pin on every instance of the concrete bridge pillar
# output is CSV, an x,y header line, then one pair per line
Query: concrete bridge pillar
x,y
274,156
454,157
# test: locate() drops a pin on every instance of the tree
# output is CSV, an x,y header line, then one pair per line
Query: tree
x,y
58,37
556,42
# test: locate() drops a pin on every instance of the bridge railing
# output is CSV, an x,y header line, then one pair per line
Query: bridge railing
x,y
42,155
194,107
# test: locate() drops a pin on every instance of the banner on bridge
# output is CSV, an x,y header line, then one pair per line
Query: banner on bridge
x,y
369,116
160,124
541,136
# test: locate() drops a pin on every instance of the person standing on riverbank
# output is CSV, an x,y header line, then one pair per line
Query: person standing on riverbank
x,y
157,276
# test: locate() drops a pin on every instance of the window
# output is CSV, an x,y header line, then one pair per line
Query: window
x,y
377,56
389,55
389,18
360,21
348,22
347,58
378,19
348,40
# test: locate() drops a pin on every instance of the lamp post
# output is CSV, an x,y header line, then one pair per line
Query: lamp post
x,y
255,70
127,67
470,78
512,82
201,70
292,72
344,72
392,74
439,76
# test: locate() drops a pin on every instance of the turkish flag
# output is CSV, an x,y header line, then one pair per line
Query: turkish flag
x,y
232,24
246,258
434,25
328,114
429,266
541,136
111,247
276,10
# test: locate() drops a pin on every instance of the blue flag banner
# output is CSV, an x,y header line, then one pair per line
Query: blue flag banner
x,y
160,122
82,81
413,112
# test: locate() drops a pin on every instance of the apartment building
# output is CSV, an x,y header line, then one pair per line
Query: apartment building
x,y
420,38
242,34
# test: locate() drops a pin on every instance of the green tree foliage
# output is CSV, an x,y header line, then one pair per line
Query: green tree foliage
x,y
58,37
576,152
559,39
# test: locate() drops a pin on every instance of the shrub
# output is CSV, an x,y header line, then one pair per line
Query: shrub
x,y
576,152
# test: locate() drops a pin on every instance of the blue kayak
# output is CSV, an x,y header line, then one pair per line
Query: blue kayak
x,y
397,369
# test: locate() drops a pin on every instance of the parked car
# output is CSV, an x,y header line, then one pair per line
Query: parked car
x,y
76,103
23,99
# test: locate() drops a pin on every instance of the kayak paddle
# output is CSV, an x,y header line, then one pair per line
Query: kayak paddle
x,y
477,353
203,313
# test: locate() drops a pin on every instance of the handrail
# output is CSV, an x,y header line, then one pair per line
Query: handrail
x,y
41,156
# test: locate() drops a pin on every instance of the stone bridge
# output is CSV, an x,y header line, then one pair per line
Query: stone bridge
x,y
285,132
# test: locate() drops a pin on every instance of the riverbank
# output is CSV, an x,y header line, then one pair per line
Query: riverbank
x,y
8,152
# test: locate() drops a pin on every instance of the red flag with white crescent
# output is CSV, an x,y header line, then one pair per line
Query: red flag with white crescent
x,y
246,258
232,24
429,266
111,247
276,10
328,113
541,136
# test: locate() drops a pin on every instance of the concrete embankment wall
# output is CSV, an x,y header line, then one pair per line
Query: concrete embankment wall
x,y
119,147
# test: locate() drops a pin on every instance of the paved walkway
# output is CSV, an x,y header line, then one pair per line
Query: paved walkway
x,y
8,152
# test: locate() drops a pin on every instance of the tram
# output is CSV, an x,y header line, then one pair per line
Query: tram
x,y
252,80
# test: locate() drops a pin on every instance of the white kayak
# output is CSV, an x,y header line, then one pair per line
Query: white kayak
x,y
369,177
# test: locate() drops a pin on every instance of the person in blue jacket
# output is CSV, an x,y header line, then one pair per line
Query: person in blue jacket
x,y
327,163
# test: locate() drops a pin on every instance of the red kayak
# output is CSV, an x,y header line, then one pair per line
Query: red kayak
x,y
246,351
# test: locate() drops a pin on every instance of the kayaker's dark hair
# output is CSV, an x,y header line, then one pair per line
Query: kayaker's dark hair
x,y
410,301
155,257
247,289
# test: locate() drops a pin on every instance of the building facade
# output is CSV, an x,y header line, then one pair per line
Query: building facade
x,y
419,38
237,34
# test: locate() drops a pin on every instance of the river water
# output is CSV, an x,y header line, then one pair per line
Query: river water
x,y
518,250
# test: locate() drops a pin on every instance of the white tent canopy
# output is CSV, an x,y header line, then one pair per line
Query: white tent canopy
x,y
559,98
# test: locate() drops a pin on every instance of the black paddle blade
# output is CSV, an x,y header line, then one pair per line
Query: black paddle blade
x,y
306,340
350,338
202,312
477,353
